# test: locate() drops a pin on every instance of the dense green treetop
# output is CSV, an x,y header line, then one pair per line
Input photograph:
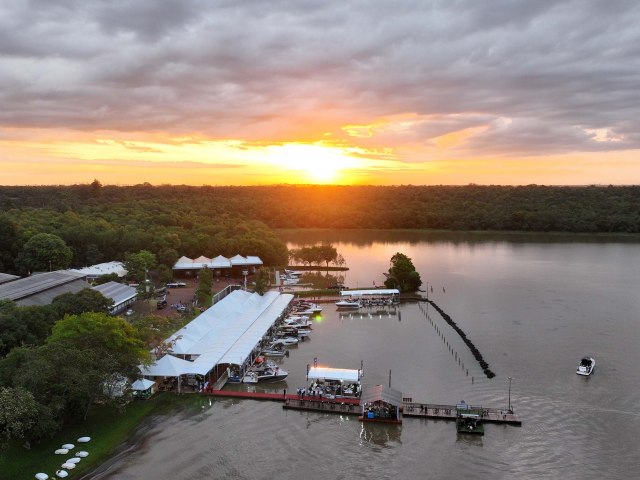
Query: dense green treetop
x,y
402,274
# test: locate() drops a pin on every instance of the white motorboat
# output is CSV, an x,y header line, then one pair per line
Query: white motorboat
x,y
285,341
272,375
586,366
275,351
250,377
348,304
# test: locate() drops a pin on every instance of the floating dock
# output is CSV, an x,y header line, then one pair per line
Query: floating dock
x,y
448,412
351,406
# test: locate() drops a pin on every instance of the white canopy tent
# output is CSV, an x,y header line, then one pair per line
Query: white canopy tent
x,y
341,374
167,366
226,333
142,384
378,292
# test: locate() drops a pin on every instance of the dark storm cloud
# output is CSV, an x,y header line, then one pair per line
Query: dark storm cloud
x,y
540,76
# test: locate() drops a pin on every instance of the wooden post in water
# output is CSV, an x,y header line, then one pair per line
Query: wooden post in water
x,y
389,378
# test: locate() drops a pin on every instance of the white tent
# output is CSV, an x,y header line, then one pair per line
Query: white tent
x,y
324,373
378,292
167,366
142,384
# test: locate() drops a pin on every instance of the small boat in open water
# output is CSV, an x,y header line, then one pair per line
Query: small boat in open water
x,y
586,366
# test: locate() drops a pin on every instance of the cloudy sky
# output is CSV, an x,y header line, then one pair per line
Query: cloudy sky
x,y
368,92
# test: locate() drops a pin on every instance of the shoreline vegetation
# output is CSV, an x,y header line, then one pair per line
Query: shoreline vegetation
x,y
109,427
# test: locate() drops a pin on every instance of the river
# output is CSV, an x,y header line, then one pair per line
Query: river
x,y
533,305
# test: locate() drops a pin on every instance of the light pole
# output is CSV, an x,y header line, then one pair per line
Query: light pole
x,y
509,409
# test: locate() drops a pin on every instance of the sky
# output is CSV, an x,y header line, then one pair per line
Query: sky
x,y
430,92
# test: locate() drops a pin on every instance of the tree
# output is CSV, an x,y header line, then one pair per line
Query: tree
x,y
402,274
262,280
203,292
327,253
8,241
19,413
86,300
139,264
45,252
106,278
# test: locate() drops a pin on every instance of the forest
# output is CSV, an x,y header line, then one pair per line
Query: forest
x,y
101,222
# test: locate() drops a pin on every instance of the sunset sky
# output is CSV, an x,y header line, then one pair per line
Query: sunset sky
x,y
352,92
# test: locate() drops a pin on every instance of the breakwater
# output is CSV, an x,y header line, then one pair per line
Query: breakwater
x,y
474,350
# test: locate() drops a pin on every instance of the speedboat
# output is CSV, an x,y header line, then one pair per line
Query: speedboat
x,y
272,375
285,341
348,304
586,366
275,351
250,377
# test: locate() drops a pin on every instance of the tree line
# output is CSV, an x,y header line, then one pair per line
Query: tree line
x,y
167,211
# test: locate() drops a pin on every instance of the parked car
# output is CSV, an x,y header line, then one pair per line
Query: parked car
x,y
161,304
129,312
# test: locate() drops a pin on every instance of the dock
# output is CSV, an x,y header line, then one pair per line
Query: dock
x,y
351,406
448,412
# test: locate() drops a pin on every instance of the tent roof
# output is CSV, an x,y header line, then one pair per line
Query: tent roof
x,y
227,332
167,366
372,293
381,393
103,269
142,384
220,262
334,374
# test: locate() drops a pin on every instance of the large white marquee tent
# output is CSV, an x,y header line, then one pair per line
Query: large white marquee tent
x,y
227,333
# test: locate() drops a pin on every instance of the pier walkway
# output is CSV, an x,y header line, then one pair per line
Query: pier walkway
x,y
351,406
448,412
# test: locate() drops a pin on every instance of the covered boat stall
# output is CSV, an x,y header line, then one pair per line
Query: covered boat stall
x,y
227,336
334,382
381,404
374,298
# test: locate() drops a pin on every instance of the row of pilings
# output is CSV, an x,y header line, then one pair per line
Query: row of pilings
x,y
474,350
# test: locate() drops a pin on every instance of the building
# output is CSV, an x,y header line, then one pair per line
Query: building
x,y
42,288
5,277
234,266
96,271
122,295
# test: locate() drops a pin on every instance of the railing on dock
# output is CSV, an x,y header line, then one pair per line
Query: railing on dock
x,y
448,412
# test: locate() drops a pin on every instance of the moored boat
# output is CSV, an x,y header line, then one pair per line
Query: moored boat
x,y
586,366
348,304
469,419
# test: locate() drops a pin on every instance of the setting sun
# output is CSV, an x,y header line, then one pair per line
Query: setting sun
x,y
311,163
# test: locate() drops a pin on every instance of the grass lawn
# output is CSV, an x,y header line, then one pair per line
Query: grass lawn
x,y
108,427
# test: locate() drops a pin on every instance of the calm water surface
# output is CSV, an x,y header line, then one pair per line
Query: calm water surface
x,y
532,305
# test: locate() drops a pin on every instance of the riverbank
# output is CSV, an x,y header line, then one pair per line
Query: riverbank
x,y
108,428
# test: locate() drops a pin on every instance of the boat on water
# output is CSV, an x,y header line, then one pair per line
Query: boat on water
x,y
586,366
348,304
266,371
285,341
275,351
469,419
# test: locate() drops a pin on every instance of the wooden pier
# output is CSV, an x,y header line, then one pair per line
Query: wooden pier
x,y
351,406
448,412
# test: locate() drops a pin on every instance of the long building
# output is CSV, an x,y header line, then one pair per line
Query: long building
x,y
42,288
228,333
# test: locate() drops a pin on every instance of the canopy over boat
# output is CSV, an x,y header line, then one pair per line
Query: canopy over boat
x,y
325,373
378,292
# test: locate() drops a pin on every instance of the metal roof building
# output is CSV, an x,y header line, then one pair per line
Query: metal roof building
x,y
5,277
42,288
122,295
